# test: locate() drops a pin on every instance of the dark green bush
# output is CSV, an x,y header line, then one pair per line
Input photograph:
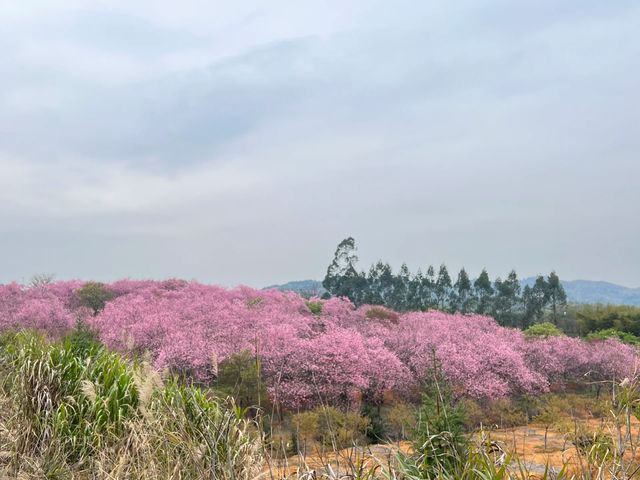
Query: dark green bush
x,y
93,295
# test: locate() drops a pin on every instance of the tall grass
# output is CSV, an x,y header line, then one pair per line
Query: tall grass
x,y
76,410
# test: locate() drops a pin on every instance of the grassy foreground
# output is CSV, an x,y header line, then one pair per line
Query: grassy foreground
x,y
74,410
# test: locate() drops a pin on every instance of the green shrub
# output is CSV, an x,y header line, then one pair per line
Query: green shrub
x,y
93,295
376,431
239,376
475,414
399,420
545,329
439,440
613,333
82,341
506,413
330,427
315,307
593,318
551,411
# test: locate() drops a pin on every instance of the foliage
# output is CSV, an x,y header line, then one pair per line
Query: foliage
x,y
399,420
552,409
505,307
624,337
342,356
103,415
593,318
375,430
342,277
439,438
239,377
152,429
41,279
315,307
44,377
330,427
483,460
545,329
555,295
404,291
82,341
498,413
93,295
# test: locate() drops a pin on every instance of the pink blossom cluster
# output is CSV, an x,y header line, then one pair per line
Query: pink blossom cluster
x,y
335,356
48,307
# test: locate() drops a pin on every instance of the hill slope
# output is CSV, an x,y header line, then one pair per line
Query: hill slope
x,y
588,291
303,287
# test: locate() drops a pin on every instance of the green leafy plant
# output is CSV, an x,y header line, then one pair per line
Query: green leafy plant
x,y
625,337
330,427
93,295
239,377
545,329
315,307
79,408
439,439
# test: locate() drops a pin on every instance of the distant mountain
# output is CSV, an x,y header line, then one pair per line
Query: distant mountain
x,y
590,291
578,291
307,288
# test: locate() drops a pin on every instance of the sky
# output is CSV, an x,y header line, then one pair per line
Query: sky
x,y
239,142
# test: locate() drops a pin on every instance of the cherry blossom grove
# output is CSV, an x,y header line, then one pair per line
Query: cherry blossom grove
x,y
334,355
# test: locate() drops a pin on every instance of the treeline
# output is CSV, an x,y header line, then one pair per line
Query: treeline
x,y
504,299
614,320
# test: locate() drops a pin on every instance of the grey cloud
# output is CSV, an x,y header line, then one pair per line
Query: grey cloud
x,y
490,133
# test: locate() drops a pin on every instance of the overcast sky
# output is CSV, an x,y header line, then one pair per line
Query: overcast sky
x,y
239,142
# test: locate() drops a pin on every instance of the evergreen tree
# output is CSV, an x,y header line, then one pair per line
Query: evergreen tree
x,y
534,300
373,296
380,284
483,293
443,288
414,297
342,278
400,289
507,300
93,295
463,292
404,292
556,295
386,283
429,299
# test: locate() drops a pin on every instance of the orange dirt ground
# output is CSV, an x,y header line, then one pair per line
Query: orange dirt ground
x,y
526,443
